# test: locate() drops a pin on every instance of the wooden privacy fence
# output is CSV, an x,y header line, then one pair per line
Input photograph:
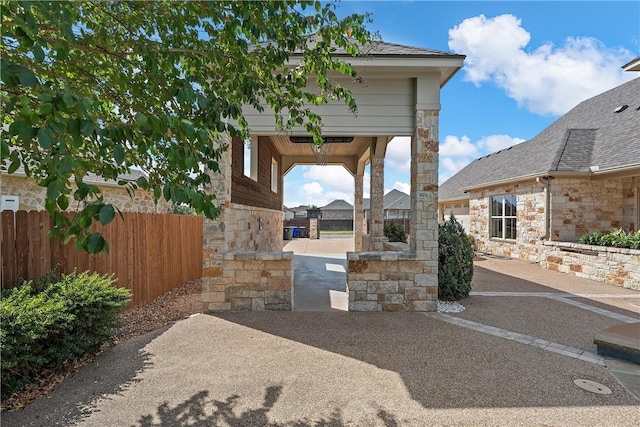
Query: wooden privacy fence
x,y
148,253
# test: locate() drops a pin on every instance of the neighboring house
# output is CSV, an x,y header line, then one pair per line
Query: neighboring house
x,y
287,213
397,205
338,209
300,212
579,175
22,193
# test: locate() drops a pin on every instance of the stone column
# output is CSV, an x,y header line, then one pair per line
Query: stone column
x,y
214,243
424,205
358,212
376,221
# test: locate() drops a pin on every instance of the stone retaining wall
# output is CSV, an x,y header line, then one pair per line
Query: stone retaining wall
x,y
390,281
615,266
250,281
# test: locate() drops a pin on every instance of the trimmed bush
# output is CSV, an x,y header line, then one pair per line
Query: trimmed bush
x,y
62,321
455,261
395,232
617,239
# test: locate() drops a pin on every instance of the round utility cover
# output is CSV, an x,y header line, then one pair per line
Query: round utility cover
x,y
592,386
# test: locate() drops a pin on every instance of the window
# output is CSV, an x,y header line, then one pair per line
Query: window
x,y
274,175
503,217
251,158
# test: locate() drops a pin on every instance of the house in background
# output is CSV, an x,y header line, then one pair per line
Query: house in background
x,y
338,209
22,193
397,205
579,175
287,214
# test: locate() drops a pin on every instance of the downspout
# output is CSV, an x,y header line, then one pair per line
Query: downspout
x,y
547,205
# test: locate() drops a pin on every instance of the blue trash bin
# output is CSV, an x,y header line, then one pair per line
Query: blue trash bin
x,y
295,231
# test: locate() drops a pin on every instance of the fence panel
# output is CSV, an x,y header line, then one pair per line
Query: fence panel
x,y
148,253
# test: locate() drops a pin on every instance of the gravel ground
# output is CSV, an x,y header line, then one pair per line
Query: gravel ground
x,y
169,307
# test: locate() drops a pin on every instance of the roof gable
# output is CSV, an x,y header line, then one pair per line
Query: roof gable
x,y
338,205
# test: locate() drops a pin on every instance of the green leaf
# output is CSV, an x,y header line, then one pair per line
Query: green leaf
x,y
63,202
118,154
27,78
87,127
45,138
4,149
15,162
38,53
142,182
106,215
68,99
95,243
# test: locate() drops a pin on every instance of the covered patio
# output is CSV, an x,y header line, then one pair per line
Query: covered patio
x,y
399,95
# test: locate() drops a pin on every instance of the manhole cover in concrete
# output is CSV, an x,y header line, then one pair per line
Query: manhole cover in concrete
x,y
592,386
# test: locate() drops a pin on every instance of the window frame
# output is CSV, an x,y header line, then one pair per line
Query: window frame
x,y
504,217
250,165
274,175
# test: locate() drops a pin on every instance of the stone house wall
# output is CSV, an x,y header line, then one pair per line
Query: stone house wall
x,y
578,207
243,266
32,196
581,206
530,217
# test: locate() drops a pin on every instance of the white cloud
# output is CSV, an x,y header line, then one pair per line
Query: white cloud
x,y
402,186
454,146
333,177
457,152
545,80
449,167
312,188
398,154
492,143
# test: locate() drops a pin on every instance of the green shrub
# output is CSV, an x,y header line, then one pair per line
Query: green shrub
x,y
395,232
617,239
455,261
63,321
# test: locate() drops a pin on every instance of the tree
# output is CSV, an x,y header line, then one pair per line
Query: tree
x,y
103,87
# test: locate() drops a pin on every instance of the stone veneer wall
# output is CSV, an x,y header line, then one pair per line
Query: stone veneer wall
x,y
251,281
243,231
615,266
243,266
389,281
581,206
32,196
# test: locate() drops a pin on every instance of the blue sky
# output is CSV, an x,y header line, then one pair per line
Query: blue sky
x,y
528,62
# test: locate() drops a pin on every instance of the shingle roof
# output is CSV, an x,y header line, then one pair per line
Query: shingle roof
x,y
381,49
394,199
591,134
338,205
95,179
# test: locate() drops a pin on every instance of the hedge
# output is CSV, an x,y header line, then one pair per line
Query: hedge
x,y
46,326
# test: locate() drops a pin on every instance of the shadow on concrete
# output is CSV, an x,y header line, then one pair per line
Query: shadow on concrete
x,y
445,366
112,372
319,283
198,411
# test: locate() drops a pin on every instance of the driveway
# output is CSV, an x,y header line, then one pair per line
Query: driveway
x,y
360,369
